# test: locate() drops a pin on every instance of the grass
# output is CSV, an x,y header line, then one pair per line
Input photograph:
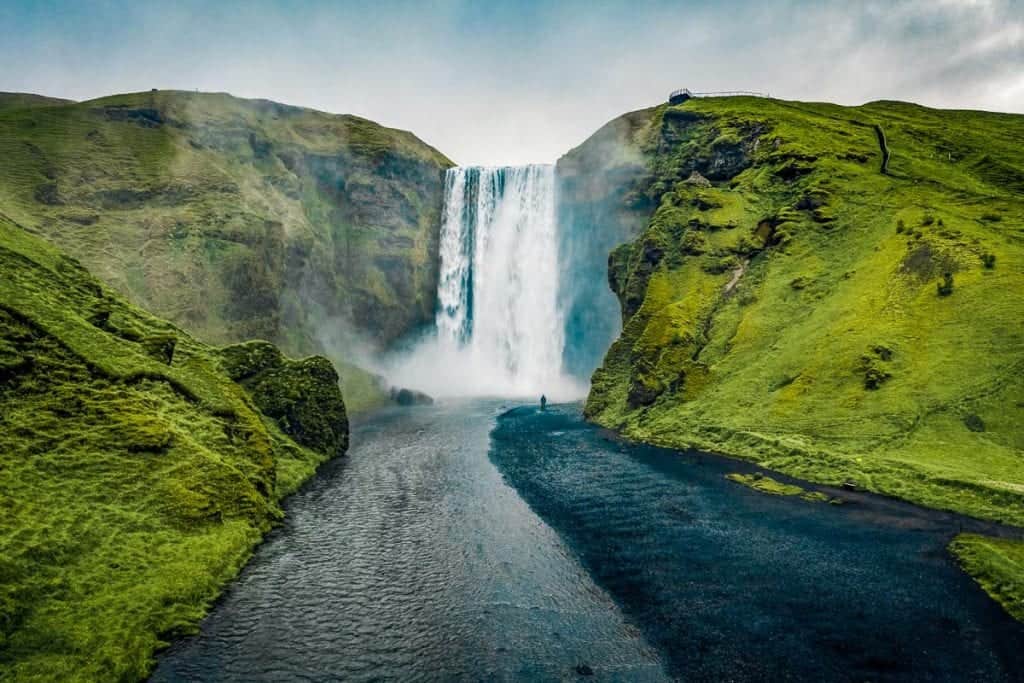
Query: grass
x,y
874,332
235,219
765,484
833,357
998,567
363,390
135,475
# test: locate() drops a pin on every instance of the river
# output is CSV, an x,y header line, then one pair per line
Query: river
x,y
464,542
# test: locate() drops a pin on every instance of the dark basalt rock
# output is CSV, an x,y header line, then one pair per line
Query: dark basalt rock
x,y
410,397
145,116
642,393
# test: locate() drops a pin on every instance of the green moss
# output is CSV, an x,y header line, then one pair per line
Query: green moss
x,y
135,475
765,484
830,357
998,567
301,396
363,391
234,219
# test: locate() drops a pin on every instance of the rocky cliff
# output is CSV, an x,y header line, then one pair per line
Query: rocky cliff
x,y
138,466
795,300
600,205
233,218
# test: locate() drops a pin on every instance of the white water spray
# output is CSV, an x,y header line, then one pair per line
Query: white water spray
x,y
500,331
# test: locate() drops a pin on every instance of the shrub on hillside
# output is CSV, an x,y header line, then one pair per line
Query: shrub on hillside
x,y
945,288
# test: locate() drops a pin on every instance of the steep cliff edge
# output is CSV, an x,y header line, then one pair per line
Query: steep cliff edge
x,y
791,303
599,207
138,466
233,218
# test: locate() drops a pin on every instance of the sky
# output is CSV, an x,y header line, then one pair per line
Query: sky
x,y
498,82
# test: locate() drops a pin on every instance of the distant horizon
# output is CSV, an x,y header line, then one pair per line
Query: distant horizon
x,y
516,83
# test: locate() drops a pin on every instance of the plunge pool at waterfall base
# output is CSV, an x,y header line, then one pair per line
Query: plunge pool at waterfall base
x,y
477,540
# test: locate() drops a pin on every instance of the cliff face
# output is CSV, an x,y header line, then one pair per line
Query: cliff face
x,y
138,466
790,303
233,218
600,205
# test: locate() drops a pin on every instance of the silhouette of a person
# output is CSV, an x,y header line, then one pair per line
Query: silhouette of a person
x,y
543,402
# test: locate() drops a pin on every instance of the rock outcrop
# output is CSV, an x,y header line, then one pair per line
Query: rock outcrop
x,y
301,395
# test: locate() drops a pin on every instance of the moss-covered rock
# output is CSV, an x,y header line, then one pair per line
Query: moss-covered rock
x,y
138,467
301,395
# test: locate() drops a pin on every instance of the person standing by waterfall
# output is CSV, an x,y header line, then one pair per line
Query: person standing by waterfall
x,y
543,401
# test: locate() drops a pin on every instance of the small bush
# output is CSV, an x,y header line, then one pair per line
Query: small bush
x,y
745,247
875,377
694,243
717,266
989,261
928,219
945,288
883,352
974,423
900,226
871,366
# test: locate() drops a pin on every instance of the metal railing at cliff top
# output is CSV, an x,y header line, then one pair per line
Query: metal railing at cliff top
x,y
718,93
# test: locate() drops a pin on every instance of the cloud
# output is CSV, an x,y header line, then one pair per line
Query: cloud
x,y
508,82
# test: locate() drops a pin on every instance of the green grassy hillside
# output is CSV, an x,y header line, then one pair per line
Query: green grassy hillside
x,y
138,466
233,218
20,100
791,303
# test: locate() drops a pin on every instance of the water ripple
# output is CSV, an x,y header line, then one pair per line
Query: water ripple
x,y
732,584
413,560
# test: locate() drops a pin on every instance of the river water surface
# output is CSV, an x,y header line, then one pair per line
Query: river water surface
x,y
442,550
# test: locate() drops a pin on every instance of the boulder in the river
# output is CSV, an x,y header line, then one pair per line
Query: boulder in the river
x,y
410,397
584,670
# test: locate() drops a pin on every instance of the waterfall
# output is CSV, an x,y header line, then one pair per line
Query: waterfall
x,y
499,326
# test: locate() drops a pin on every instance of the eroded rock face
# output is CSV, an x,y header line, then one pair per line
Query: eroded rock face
x,y
601,205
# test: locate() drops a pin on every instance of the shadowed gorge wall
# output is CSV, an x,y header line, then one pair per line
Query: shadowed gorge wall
x,y
599,207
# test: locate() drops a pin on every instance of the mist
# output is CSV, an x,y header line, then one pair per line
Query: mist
x,y
500,325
